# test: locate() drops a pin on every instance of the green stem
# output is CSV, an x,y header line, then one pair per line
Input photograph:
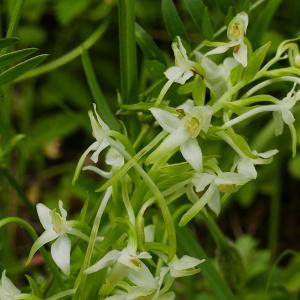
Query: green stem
x,y
81,278
88,43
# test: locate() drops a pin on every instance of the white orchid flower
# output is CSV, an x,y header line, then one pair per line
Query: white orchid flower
x,y
113,158
216,183
281,112
235,32
184,266
183,132
56,228
127,257
217,77
148,286
101,133
246,165
8,290
183,69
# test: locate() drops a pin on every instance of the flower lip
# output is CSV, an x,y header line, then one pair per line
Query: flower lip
x,y
193,125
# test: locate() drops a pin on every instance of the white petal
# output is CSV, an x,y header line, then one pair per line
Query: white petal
x,y
144,255
101,146
44,214
8,287
114,158
241,55
106,260
185,262
63,212
173,73
287,117
202,180
191,151
149,233
214,203
169,122
268,153
187,106
185,77
231,178
278,123
98,171
218,50
142,277
246,167
60,252
46,237
101,122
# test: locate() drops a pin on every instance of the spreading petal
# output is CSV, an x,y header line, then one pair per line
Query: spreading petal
x,y
44,214
202,180
240,54
214,202
192,153
60,252
104,144
105,261
46,237
173,73
8,287
169,122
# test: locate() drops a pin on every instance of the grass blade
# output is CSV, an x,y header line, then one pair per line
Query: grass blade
x,y
128,59
172,20
16,71
7,42
102,105
195,8
15,56
190,246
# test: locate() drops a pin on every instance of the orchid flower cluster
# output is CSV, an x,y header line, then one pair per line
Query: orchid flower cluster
x,y
167,178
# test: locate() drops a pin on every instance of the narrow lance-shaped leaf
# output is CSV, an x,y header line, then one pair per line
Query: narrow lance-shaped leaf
x,y
147,45
100,100
128,58
16,71
7,42
255,61
195,8
15,56
172,20
207,26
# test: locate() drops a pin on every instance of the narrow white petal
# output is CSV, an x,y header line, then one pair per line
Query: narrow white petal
x,y
44,214
268,153
287,116
63,212
202,180
144,255
105,261
46,237
114,158
101,122
149,233
60,252
142,277
241,54
169,122
173,73
246,167
188,106
185,262
185,77
218,50
104,144
231,178
98,171
191,151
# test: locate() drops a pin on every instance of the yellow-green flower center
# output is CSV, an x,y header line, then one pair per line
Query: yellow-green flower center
x,y
57,222
193,126
235,31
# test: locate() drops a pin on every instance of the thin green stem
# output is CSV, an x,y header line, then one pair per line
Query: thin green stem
x,y
88,43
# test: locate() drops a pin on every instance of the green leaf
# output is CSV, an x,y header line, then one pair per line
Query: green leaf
x,y
16,71
4,43
34,286
189,245
262,21
196,9
15,56
147,45
255,62
173,23
155,69
207,26
68,10
128,59
102,104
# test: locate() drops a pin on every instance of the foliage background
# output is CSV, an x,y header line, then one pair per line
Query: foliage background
x,y
51,111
